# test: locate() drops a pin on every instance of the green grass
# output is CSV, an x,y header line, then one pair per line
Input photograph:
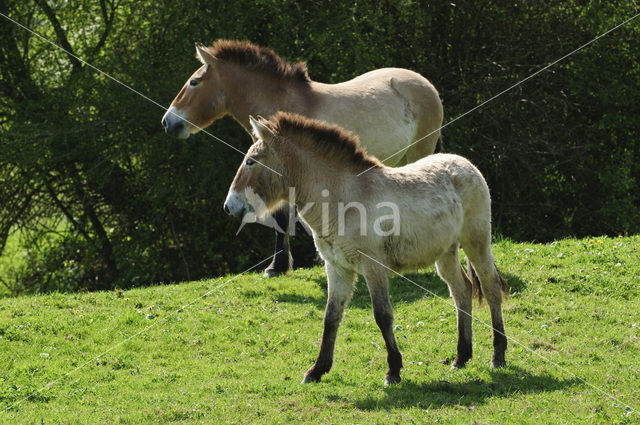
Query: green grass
x,y
238,354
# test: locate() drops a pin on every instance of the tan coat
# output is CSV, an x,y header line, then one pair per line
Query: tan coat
x,y
389,109
386,220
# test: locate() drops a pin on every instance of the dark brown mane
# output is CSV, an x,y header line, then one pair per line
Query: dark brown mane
x,y
258,58
332,141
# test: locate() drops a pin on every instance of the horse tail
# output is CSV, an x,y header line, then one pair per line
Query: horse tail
x,y
475,282
439,146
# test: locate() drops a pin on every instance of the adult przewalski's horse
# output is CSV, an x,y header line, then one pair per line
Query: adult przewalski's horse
x,y
389,108
439,203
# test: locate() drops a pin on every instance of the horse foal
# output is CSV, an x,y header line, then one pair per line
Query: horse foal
x,y
387,218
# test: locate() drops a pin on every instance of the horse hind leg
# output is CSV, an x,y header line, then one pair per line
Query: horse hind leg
x,y
450,270
426,109
424,147
491,285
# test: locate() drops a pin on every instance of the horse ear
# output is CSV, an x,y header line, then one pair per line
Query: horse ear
x,y
203,55
259,128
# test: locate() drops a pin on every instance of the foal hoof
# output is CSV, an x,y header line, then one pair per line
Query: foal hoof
x,y
498,363
309,379
458,363
390,380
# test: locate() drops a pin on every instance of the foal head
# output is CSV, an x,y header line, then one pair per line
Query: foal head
x,y
200,101
259,185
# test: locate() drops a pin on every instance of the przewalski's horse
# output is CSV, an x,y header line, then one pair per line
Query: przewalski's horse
x,y
439,204
389,109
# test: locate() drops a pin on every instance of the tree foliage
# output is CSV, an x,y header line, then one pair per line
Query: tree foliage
x,y
104,198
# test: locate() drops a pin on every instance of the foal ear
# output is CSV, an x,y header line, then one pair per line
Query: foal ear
x,y
259,128
203,55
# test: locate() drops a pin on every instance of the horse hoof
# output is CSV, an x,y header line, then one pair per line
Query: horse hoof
x,y
497,364
390,380
309,379
458,364
273,273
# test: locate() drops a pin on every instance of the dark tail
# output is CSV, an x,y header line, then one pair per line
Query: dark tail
x,y
475,282
439,145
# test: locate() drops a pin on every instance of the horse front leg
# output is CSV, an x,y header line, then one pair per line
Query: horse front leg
x,y
282,259
340,288
378,283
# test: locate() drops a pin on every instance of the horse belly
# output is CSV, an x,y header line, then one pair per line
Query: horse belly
x,y
427,230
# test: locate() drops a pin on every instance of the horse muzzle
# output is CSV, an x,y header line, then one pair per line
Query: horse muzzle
x,y
234,204
174,124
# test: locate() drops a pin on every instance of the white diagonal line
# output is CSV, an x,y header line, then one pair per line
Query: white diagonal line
x,y
506,90
128,87
184,307
501,333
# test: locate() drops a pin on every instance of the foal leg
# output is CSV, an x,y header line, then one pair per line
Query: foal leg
x,y
492,284
378,283
450,270
282,260
340,289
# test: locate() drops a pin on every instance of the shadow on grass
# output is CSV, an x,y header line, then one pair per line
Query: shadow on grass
x,y
400,289
503,383
515,283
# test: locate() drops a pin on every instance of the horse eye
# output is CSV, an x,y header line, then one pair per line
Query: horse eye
x,y
194,83
249,162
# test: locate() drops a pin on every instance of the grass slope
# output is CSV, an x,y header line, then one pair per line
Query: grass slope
x,y
238,354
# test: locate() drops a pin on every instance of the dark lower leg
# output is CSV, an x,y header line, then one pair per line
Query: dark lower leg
x,y
499,337
324,361
464,349
384,319
282,260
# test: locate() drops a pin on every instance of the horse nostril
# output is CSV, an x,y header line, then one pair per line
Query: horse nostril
x,y
164,123
175,128
226,209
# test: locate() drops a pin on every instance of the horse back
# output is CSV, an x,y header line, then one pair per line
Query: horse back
x,y
387,108
441,188
435,197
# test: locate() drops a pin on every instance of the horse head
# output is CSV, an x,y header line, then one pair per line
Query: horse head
x,y
258,188
200,101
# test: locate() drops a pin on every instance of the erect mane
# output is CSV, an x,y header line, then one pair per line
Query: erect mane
x,y
258,58
333,142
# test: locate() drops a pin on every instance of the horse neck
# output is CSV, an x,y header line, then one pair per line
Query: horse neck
x,y
250,92
309,175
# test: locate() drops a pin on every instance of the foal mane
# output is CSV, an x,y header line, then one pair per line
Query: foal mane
x,y
331,141
258,58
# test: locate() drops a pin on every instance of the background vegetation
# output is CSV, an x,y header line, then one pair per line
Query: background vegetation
x,y
99,197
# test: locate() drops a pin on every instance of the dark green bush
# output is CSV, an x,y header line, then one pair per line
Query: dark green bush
x,y
560,151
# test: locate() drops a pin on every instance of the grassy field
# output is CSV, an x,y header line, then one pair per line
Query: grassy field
x,y
238,354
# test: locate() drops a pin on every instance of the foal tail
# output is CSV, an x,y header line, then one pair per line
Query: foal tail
x,y
472,276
